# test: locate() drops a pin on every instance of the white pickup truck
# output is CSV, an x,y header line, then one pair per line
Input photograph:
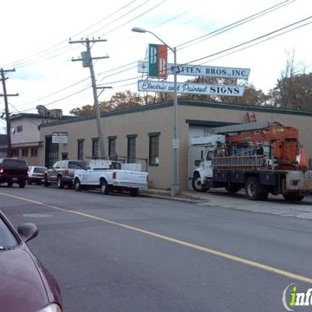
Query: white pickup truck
x,y
109,175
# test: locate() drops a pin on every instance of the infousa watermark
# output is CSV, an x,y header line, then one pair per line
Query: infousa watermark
x,y
293,298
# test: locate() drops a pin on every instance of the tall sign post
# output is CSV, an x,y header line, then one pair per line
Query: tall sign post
x,y
175,186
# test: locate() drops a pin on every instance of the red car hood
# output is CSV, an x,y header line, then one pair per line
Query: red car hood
x,y
21,285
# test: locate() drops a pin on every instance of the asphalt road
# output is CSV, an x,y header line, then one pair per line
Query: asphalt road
x,y
121,253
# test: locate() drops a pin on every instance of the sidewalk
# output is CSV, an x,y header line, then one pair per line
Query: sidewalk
x,y
275,205
183,196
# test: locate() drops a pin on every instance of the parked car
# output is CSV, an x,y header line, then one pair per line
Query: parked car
x,y
13,170
36,174
62,172
26,285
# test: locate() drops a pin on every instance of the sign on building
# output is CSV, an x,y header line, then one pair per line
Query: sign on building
x,y
59,137
190,88
157,61
203,71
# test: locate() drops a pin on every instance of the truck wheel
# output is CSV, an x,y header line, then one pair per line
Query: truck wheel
x,y
22,183
134,192
254,191
293,197
104,187
232,189
60,182
46,182
77,185
196,183
10,184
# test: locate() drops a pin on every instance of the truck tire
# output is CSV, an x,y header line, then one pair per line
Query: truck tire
x,y
60,183
134,192
232,189
254,191
77,185
104,187
22,183
10,183
46,182
293,197
196,183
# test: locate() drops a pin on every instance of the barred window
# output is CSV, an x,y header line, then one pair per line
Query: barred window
x,y
34,152
80,149
153,149
95,147
131,150
25,152
112,147
15,153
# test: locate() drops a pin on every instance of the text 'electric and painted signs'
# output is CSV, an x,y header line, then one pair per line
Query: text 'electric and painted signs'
x,y
190,88
197,70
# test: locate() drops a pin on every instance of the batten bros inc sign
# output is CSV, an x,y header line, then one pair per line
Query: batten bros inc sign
x,y
204,71
158,67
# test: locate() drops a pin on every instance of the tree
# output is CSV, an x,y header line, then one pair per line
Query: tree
x,y
120,100
126,99
293,89
86,110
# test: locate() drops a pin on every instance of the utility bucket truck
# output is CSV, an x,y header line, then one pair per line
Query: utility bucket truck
x,y
263,158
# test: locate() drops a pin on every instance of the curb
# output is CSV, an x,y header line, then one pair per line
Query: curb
x,y
183,197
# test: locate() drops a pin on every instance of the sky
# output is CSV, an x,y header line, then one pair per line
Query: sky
x,y
36,35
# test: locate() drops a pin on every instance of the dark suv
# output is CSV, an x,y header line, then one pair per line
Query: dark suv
x,y
13,170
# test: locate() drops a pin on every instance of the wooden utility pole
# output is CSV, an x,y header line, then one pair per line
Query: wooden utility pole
x,y
87,62
7,114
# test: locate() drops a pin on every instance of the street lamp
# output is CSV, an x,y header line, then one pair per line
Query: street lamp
x,y
175,186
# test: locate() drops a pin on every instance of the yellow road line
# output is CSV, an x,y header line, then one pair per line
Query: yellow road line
x,y
179,242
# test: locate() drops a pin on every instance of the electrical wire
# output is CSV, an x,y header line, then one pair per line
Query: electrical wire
x,y
252,42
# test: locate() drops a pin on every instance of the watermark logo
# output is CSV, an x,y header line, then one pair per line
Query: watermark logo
x,y
293,298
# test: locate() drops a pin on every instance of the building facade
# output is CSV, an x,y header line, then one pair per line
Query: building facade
x,y
145,134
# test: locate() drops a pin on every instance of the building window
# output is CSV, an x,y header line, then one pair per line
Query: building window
x,y
34,152
131,148
95,147
64,156
24,152
15,153
19,128
153,158
80,149
112,147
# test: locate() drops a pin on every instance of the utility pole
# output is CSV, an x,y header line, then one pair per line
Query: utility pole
x,y
86,59
7,115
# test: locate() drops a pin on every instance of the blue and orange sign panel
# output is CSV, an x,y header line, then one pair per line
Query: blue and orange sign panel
x,y
157,61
